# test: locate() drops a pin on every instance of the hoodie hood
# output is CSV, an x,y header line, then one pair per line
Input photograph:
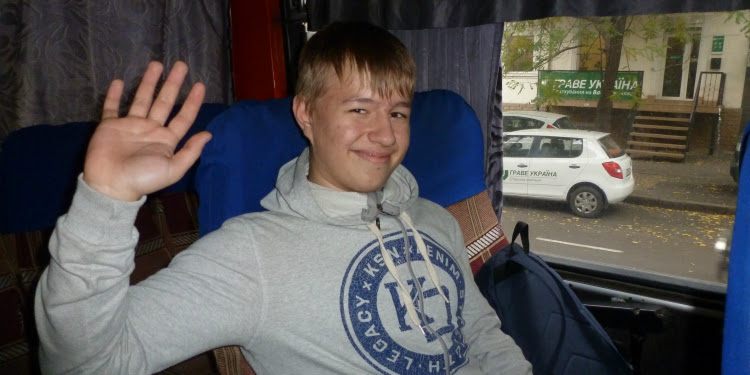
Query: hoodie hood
x,y
293,194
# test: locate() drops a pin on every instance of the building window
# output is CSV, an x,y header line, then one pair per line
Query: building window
x,y
590,54
519,52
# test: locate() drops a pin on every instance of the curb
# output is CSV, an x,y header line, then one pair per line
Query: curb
x,y
681,205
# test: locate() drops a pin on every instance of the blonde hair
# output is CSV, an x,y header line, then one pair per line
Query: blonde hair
x,y
375,54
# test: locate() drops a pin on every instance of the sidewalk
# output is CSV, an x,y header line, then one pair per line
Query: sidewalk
x,y
700,183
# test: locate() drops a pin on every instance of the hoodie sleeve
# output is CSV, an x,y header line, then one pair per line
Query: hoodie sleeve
x,y
90,320
495,351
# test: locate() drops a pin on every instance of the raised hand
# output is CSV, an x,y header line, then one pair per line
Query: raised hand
x,y
132,156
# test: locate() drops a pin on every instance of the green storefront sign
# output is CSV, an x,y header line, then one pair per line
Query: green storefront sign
x,y
718,43
570,84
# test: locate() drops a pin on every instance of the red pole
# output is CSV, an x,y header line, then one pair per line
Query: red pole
x,y
257,50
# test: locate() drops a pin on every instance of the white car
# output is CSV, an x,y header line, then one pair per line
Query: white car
x,y
585,168
520,120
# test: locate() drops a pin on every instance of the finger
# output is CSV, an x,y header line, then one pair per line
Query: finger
x,y
111,107
145,93
188,154
184,119
168,93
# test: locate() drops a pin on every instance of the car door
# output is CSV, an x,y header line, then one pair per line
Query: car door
x,y
516,160
554,166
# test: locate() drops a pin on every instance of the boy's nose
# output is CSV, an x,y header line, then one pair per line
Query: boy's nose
x,y
382,131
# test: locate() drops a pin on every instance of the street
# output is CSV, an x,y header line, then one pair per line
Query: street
x,y
666,241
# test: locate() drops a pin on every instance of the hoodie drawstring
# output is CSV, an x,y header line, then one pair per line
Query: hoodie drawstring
x,y
370,215
422,248
405,295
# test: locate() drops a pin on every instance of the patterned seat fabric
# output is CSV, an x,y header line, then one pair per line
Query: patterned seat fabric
x,y
38,170
482,234
167,224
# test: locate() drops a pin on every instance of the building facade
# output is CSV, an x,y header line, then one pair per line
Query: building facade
x,y
692,64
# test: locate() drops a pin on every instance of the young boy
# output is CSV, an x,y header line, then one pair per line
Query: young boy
x,y
348,271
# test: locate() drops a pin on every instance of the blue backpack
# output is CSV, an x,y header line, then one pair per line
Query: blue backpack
x,y
556,333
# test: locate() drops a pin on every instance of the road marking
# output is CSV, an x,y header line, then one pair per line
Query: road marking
x,y
580,245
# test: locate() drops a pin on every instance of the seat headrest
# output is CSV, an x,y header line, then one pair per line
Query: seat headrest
x,y
253,139
39,165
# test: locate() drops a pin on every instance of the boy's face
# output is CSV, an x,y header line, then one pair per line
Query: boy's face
x,y
357,137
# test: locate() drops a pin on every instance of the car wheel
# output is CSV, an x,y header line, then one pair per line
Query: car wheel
x,y
586,201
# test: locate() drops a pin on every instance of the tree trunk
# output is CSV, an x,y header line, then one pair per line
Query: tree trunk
x,y
613,50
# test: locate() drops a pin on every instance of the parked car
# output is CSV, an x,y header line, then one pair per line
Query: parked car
x,y
520,120
585,168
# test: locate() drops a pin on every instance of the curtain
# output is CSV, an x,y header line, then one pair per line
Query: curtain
x,y
57,57
424,14
465,60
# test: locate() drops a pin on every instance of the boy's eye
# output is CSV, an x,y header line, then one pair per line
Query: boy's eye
x,y
398,115
359,110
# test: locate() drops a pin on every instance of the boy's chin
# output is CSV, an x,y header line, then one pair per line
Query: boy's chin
x,y
369,186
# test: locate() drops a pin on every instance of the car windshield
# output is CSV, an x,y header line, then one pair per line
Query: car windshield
x,y
565,123
610,147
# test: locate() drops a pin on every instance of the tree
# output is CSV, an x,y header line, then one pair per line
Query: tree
x,y
600,43
741,18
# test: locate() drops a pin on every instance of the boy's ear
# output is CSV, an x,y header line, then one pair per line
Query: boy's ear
x,y
301,112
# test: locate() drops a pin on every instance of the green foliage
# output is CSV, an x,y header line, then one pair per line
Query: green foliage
x,y
740,18
548,93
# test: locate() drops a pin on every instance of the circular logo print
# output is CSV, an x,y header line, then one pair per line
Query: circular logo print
x,y
375,316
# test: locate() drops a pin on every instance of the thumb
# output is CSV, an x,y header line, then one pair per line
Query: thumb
x,y
188,154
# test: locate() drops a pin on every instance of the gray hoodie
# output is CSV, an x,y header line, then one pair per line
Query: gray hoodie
x,y
299,290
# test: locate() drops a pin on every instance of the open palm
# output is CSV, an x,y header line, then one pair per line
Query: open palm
x,y
132,156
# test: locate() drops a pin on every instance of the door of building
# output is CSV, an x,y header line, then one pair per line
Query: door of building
x,y
681,66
